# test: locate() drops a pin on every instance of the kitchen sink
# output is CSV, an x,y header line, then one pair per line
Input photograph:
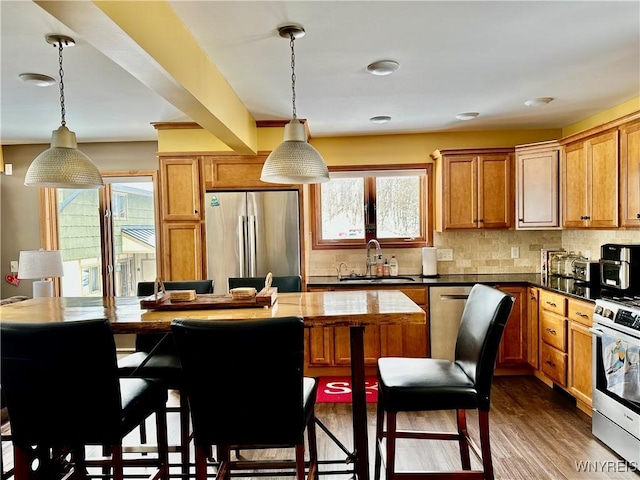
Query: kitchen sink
x,y
363,279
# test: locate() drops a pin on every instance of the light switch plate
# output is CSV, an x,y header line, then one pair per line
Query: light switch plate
x,y
515,252
14,266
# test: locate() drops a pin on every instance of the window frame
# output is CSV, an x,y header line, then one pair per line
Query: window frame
x,y
49,232
426,205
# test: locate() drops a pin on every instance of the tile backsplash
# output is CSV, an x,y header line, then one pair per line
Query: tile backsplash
x,y
485,251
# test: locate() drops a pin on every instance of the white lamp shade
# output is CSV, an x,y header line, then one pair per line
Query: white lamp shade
x,y
294,160
40,264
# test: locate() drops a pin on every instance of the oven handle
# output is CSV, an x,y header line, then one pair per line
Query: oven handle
x,y
597,333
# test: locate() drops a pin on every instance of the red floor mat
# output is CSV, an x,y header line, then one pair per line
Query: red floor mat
x,y
338,389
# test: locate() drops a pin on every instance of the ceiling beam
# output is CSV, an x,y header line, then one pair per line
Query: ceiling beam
x,y
148,40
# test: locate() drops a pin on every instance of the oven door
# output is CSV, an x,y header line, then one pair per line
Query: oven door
x,y
616,379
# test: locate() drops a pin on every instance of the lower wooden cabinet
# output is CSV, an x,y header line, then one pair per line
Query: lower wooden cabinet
x,y
565,345
328,349
182,254
513,346
533,334
579,379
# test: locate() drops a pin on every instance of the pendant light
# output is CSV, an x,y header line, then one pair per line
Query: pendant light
x,y
62,165
294,160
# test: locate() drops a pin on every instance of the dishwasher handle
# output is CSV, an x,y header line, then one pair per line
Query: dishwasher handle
x,y
459,296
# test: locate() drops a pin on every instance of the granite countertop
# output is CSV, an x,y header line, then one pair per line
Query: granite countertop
x,y
533,279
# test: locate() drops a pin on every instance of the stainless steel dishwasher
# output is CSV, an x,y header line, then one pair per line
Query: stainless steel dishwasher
x,y
445,311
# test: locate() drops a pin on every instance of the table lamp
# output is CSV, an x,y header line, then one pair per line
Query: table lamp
x,y
40,264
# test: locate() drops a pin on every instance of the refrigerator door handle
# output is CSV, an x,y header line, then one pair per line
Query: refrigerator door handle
x,y
242,228
252,250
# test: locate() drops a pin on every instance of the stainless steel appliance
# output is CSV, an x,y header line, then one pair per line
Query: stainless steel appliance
x,y
586,275
445,312
620,267
250,234
586,271
616,375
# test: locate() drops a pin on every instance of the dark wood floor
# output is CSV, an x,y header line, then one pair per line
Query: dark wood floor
x,y
536,433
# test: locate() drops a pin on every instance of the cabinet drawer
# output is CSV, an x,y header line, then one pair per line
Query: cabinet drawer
x,y
553,330
553,302
579,311
554,364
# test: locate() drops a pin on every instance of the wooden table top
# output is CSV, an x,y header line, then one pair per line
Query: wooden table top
x,y
319,309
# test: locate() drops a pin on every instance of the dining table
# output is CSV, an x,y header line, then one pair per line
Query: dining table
x,y
353,309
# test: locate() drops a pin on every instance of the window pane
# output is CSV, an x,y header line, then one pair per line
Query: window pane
x,y
134,236
343,209
398,207
79,240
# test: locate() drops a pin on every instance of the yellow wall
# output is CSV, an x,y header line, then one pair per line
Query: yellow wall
x,y
200,140
377,149
361,150
618,111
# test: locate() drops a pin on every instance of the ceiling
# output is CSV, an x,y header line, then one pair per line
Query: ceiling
x,y
487,57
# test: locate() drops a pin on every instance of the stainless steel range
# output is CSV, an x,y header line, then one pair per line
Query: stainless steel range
x,y
616,375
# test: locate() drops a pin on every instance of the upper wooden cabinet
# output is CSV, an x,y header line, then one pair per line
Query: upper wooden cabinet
x,y
181,218
537,185
180,187
235,171
630,175
590,182
474,188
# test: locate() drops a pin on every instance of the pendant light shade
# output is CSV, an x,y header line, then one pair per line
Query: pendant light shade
x,y
294,160
62,165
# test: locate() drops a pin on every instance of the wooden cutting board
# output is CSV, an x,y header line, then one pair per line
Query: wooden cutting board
x,y
264,298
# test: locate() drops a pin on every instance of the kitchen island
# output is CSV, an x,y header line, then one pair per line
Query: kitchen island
x,y
353,309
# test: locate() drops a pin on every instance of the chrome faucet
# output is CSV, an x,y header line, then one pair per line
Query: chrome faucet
x,y
339,269
369,261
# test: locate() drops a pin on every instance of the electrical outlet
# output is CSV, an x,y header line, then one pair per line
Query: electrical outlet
x,y
515,252
444,254
14,266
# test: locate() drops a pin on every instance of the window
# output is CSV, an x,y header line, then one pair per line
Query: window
x,y
107,236
392,205
119,206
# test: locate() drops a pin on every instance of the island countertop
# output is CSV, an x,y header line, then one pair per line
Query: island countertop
x,y
319,309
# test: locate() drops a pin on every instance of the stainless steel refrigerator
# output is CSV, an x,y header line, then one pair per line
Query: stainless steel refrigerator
x,y
251,233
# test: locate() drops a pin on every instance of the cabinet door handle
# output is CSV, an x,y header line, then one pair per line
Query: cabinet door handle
x,y
550,363
583,315
551,303
637,215
481,220
551,331
533,297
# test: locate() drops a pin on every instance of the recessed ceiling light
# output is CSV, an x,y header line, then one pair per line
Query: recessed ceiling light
x,y
538,102
380,119
467,115
37,79
383,67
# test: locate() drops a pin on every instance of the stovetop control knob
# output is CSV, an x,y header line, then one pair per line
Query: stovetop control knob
x,y
598,310
608,314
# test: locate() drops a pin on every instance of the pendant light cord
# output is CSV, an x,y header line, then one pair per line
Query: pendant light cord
x,y
293,74
61,72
